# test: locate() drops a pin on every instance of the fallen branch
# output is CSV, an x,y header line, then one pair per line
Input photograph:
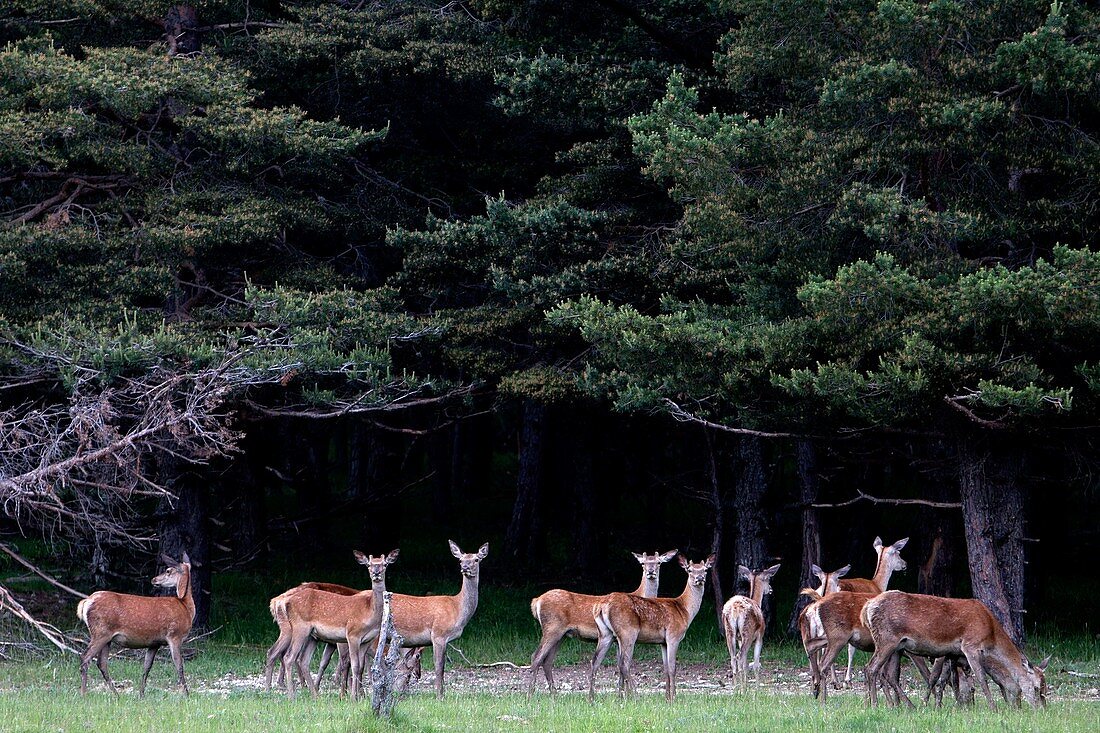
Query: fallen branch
x,y
51,632
25,563
509,665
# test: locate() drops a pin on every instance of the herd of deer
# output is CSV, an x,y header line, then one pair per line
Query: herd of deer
x,y
961,635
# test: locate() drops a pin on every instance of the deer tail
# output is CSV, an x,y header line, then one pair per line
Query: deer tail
x,y
810,593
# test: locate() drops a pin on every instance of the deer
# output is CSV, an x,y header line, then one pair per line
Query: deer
x,y
139,622
743,622
562,613
931,626
632,619
438,620
316,615
888,560
279,649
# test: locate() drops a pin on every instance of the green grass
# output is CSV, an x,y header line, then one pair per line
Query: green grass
x,y
40,693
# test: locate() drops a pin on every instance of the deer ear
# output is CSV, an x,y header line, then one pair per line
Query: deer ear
x,y
454,549
743,572
878,543
818,572
167,560
183,584
770,572
665,557
639,558
900,543
682,560
843,571
361,558
711,559
392,556
186,560
1042,666
483,551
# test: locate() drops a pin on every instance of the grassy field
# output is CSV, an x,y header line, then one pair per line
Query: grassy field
x,y
40,692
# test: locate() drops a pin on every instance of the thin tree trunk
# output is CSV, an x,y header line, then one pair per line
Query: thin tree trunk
x,y
519,540
808,486
718,520
993,521
583,450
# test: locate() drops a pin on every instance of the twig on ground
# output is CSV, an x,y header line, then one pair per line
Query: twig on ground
x,y
509,665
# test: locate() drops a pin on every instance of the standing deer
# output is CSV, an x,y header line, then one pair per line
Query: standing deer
x,y
329,617
632,619
279,649
888,560
439,620
944,627
743,622
562,613
139,622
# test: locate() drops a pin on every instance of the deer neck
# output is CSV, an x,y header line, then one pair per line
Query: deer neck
x,y
647,588
691,599
467,600
756,591
377,589
883,571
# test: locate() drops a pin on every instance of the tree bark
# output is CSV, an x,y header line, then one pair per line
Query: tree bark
x,y
993,520
808,486
938,532
520,539
180,30
751,483
186,528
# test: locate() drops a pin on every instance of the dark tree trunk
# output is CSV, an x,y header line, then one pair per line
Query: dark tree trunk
x,y
938,531
584,510
717,505
993,521
520,540
808,485
180,30
751,483
186,528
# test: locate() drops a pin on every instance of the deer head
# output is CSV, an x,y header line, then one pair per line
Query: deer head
x,y
1033,687
376,566
830,582
469,563
763,577
697,571
651,564
890,557
177,575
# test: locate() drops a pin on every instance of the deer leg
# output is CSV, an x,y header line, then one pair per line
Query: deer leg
x,y
439,653
175,647
756,655
626,661
602,645
548,663
94,650
742,660
538,660
101,662
731,647
881,656
670,667
936,676
277,650
974,658
356,657
851,662
150,654
326,657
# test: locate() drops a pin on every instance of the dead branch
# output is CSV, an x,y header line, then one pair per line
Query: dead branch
x,y
956,402
51,632
679,414
861,496
26,563
509,665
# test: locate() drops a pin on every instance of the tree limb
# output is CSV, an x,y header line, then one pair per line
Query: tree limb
x,y
861,496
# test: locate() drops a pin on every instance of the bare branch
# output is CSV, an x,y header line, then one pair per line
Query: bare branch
x,y
34,569
679,414
861,496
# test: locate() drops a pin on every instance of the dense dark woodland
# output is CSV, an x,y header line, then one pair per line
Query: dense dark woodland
x,y
573,277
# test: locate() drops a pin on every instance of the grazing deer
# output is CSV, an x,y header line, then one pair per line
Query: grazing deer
x,y
439,620
279,649
833,623
663,621
743,622
889,560
562,613
139,622
329,617
943,627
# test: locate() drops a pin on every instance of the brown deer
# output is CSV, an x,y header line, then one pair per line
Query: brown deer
x,y
946,627
562,613
888,560
743,622
833,623
279,649
332,618
632,619
139,622
439,620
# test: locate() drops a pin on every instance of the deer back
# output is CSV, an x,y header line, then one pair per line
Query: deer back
x,y
859,585
563,609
